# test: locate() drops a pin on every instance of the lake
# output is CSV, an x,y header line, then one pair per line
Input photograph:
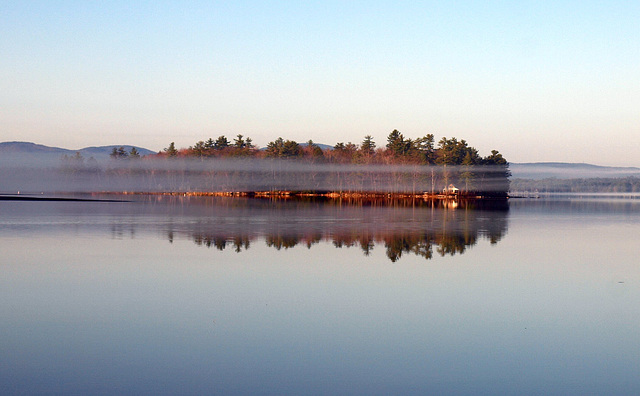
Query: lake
x,y
185,295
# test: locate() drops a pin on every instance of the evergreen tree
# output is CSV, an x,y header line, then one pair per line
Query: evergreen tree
x,y
467,174
239,142
495,174
199,149
221,143
274,149
209,144
118,153
397,144
134,153
281,148
313,150
291,149
171,150
122,153
368,146
424,149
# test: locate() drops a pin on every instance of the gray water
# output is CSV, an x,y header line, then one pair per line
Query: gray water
x,y
233,296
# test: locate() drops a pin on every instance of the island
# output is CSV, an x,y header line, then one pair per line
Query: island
x,y
404,168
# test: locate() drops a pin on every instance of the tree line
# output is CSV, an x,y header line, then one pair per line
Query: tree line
x,y
403,165
398,150
459,164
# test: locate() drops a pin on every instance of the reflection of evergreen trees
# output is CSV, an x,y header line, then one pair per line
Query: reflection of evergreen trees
x,y
281,242
398,227
239,243
419,244
433,231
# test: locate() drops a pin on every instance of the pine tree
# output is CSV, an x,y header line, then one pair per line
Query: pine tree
x,y
134,153
171,150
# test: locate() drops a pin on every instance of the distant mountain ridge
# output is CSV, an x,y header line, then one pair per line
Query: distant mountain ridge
x,y
33,151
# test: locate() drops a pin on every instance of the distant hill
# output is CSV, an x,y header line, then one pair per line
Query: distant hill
x,y
12,152
28,147
323,146
105,151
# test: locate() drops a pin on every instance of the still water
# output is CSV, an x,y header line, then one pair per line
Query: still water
x,y
234,296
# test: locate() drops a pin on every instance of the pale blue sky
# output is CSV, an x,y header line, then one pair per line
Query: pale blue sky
x,y
539,80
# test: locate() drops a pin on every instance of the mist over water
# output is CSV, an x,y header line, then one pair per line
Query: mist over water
x,y
242,175
569,171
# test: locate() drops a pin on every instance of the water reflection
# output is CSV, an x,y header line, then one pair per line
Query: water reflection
x,y
135,297
400,227
422,228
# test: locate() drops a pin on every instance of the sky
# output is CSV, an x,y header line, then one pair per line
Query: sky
x,y
537,80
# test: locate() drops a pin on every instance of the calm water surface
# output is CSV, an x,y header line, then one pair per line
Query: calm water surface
x,y
233,296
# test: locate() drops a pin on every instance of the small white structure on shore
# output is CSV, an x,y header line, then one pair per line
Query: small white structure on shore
x,y
451,189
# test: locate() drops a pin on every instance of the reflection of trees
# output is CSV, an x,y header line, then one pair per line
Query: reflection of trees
x,y
395,244
423,245
452,244
280,241
240,243
312,239
428,230
366,244
220,242
402,227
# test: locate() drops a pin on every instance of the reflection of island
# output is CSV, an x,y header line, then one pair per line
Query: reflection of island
x,y
402,227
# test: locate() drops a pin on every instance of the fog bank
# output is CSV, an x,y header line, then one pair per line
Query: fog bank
x,y
242,175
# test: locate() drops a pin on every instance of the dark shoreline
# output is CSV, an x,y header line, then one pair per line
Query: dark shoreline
x,y
325,196
43,198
